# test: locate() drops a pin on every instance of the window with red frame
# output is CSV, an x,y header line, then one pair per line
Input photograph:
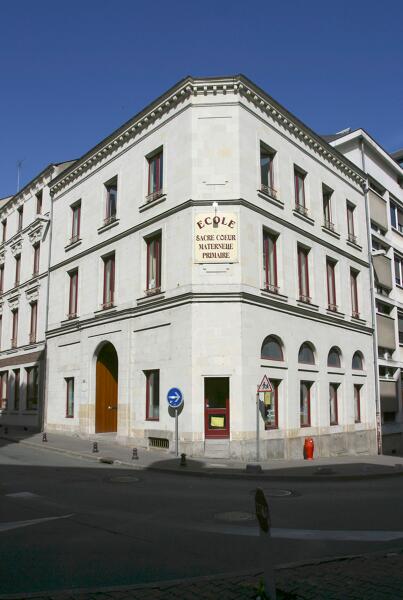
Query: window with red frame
x,y
305,403
33,323
73,293
270,400
32,388
37,251
69,397
4,389
299,180
20,218
357,403
16,389
109,281
333,407
270,261
155,174
14,339
331,284
1,279
111,200
1,329
75,222
303,274
327,207
17,269
39,196
354,294
152,395
4,230
350,223
267,171
153,282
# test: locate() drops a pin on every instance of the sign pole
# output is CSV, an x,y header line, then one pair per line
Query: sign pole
x,y
176,432
266,554
257,427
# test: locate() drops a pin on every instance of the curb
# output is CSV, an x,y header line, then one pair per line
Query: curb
x,y
221,474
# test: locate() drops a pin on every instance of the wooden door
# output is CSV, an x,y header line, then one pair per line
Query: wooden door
x,y
216,407
106,411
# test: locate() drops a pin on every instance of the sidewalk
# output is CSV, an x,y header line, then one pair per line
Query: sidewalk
x,y
333,468
377,576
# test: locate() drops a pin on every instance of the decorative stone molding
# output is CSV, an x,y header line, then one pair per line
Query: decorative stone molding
x,y
35,230
13,301
1,307
16,246
32,293
198,87
2,256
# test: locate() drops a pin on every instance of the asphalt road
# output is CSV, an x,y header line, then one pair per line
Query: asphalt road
x,y
66,523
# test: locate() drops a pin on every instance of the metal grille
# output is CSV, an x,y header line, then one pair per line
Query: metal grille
x,y
155,442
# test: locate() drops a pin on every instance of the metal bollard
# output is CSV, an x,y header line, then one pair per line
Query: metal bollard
x,y
95,447
135,455
44,437
183,460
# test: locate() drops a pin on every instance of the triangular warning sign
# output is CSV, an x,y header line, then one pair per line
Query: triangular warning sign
x,y
265,385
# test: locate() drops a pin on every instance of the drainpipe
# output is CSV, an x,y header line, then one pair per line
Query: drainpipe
x,y
373,306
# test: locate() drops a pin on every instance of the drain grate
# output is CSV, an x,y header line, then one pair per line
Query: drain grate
x,y
155,442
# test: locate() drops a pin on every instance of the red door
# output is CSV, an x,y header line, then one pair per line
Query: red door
x,y
216,407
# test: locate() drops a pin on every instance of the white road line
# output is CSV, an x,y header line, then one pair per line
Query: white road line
x,y
22,495
18,524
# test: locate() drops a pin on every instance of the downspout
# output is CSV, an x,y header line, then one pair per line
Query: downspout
x,y
373,306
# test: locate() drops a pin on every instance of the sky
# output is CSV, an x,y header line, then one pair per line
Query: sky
x,y
72,72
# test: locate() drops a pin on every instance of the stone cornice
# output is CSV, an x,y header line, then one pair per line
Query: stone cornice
x,y
186,89
27,192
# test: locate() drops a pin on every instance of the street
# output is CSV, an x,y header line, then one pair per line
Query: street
x,y
69,523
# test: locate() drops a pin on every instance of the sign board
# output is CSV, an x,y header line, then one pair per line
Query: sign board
x,y
216,238
262,510
265,385
174,397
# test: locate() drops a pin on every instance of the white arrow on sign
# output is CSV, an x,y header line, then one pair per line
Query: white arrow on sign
x,y
175,396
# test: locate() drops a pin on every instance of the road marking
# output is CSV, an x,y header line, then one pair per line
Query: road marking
x,y
22,495
18,524
309,534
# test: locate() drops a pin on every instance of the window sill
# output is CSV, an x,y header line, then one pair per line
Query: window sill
x,y
102,311
309,305
156,419
336,371
269,198
358,320
330,232
303,217
308,368
108,226
72,245
152,203
273,364
354,245
356,373
150,298
69,321
335,313
275,295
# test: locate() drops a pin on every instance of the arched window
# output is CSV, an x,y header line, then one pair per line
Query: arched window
x,y
306,354
357,362
272,348
333,358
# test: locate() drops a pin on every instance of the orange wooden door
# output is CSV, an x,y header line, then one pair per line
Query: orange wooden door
x,y
106,410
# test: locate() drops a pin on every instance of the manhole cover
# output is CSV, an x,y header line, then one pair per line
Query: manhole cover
x,y
124,479
235,515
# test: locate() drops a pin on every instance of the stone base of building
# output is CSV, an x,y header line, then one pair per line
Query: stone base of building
x,y
392,444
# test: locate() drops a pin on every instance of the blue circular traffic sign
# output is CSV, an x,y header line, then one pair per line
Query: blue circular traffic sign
x,y
174,397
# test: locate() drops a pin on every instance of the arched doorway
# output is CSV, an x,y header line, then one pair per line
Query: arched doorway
x,y
106,403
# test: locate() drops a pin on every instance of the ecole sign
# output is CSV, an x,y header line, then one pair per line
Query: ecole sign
x,y
216,238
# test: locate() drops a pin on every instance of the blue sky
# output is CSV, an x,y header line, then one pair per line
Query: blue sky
x,y
72,72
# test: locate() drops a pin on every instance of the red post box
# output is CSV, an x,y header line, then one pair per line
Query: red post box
x,y
309,447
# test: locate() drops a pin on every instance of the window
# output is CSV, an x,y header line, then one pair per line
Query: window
x,y
73,294
266,171
357,403
306,355
299,180
75,222
272,349
1,279
111,200
333,358
357,362
32,388
305,403
17,269
152,395
37,250
39,202
270,400
396,217
109,281
4,230
333,409
1,328
270,261
16,389
20,218
398,270
354,294
14,338
154,264
327,208
69,397
331,284
34,317
155,176
303,274
350,223
4,388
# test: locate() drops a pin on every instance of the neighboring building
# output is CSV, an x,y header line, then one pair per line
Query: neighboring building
x,y
211,240
24,256
385,200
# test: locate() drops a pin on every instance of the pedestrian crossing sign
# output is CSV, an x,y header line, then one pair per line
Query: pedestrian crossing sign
x,y
265,385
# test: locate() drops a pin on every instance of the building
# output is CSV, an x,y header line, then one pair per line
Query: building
x,y
24,255
385,201
212,240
